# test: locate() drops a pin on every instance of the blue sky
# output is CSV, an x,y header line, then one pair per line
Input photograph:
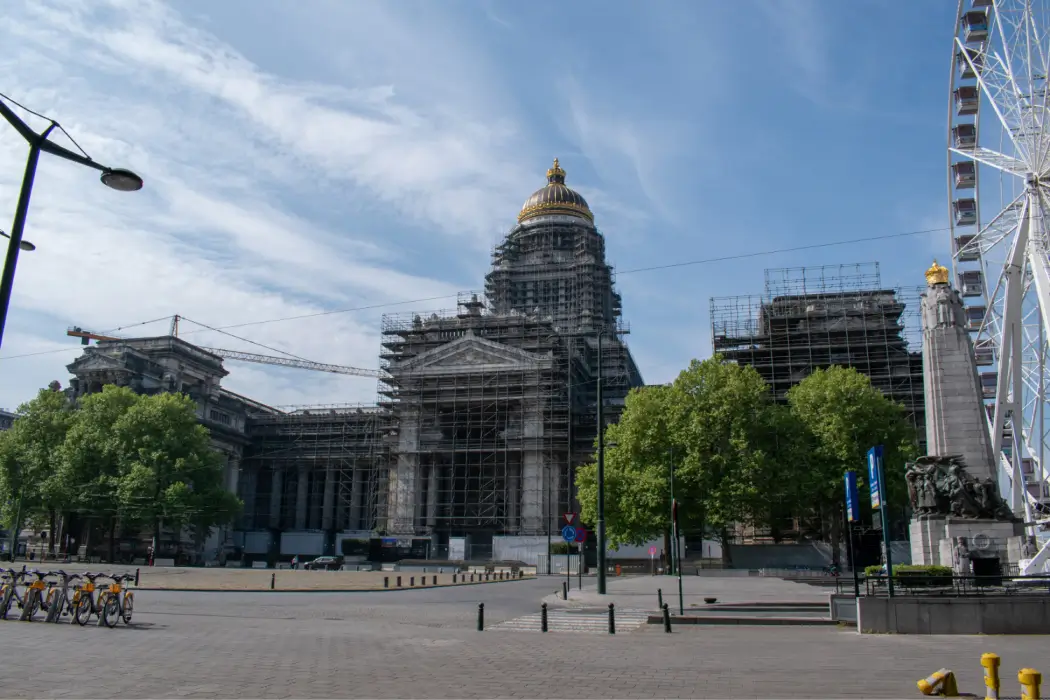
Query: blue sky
x,y
331,154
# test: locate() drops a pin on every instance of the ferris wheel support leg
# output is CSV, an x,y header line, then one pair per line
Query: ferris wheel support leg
x,y
1008,395
1037,564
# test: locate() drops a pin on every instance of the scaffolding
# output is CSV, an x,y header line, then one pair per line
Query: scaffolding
x,y
307,452
487,440
814,318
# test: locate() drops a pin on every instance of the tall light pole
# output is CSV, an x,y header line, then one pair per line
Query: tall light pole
x,y
115,178
601,472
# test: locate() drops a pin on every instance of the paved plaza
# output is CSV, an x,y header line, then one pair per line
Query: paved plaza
x,y
423,644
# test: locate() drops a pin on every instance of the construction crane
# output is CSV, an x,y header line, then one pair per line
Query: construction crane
x,y
87,336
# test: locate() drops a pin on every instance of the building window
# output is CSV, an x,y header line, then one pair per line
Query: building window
x,y
219,417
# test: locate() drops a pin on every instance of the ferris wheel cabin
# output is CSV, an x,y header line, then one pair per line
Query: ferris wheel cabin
x,y
965,173
971,283
975,25
967,99
975,317
964,136
965,211
964,252
984,352
968,60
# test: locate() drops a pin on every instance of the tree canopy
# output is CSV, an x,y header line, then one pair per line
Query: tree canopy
x,y
738,456
114,457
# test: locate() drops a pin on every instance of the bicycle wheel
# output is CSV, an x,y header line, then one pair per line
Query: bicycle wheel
x,y
5,601
129,605
110,611
82,610
31,605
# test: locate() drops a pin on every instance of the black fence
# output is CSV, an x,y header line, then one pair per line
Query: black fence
x,y
949,585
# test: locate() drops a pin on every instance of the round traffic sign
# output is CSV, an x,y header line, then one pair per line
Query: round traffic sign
x,y
581,534
568,533
652,551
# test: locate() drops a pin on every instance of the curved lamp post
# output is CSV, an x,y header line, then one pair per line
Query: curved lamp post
x,y
115,178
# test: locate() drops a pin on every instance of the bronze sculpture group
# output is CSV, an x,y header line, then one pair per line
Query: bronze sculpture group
x,y
940,486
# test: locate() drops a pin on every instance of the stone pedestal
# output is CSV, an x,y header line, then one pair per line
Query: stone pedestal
x,y
933,540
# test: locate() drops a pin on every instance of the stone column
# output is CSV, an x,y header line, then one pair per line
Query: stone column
x,y
404,479
233,473
328,503
247,487
514,499
432,496
343,494
955,420
301,496
276,485
357,497
533,486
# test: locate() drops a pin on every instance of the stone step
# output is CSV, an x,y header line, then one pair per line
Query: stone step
x,y
563,621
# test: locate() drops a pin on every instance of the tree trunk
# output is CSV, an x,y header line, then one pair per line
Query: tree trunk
x,y
667,556
836,537
723,537
53,518
112,539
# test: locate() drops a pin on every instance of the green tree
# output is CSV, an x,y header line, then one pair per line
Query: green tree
x,y
91,460
169,474
717,425
844,416
29,461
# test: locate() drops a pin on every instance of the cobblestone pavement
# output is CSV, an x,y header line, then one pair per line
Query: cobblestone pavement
x,y
423,644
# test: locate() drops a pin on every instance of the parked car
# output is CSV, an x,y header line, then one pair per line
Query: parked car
x,y
324,563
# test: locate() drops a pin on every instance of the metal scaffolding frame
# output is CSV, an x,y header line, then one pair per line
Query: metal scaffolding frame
x,y
817,317
310,442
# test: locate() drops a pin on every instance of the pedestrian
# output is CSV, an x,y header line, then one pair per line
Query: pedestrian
x,y
295,562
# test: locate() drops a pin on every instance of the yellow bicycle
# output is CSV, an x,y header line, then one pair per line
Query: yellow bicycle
x,y
116,602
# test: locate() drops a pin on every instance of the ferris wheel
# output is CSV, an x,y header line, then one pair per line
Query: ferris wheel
x,y
998,187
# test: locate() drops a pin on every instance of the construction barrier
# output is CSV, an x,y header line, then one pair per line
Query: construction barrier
x,y
940,683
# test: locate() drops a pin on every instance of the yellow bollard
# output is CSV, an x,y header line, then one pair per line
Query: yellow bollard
x,y
941,683
1030,680
991,662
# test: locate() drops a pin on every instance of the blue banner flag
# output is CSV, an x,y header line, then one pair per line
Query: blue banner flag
x,y
875,476
852,500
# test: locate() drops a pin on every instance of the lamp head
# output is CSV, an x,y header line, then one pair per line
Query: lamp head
x,y
23,244
121,180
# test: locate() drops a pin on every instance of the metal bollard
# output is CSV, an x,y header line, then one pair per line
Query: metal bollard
x,y
1030,680
273,580
399,582
612,619
991,662
564,591
660,597
543,618
481,617
386,582
667,618
435,580
136,578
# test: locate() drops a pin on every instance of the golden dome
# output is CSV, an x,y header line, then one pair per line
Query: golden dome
x,y
555,199
937,274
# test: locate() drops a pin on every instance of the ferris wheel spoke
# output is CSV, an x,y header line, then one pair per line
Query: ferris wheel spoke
x,y
994,159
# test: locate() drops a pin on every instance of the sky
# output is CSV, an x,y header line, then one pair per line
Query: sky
x,y
303,160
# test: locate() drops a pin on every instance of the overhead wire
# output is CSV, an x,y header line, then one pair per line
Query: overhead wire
x,y
651,268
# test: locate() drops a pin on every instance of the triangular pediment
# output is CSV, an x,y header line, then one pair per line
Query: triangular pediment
x,y
94,361
471,353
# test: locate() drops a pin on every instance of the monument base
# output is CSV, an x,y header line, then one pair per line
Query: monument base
x,y
933,540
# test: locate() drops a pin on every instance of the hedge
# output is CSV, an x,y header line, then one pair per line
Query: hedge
x,y
917,574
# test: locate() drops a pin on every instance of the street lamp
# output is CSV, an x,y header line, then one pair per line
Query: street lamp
x,y
23,244
115,178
